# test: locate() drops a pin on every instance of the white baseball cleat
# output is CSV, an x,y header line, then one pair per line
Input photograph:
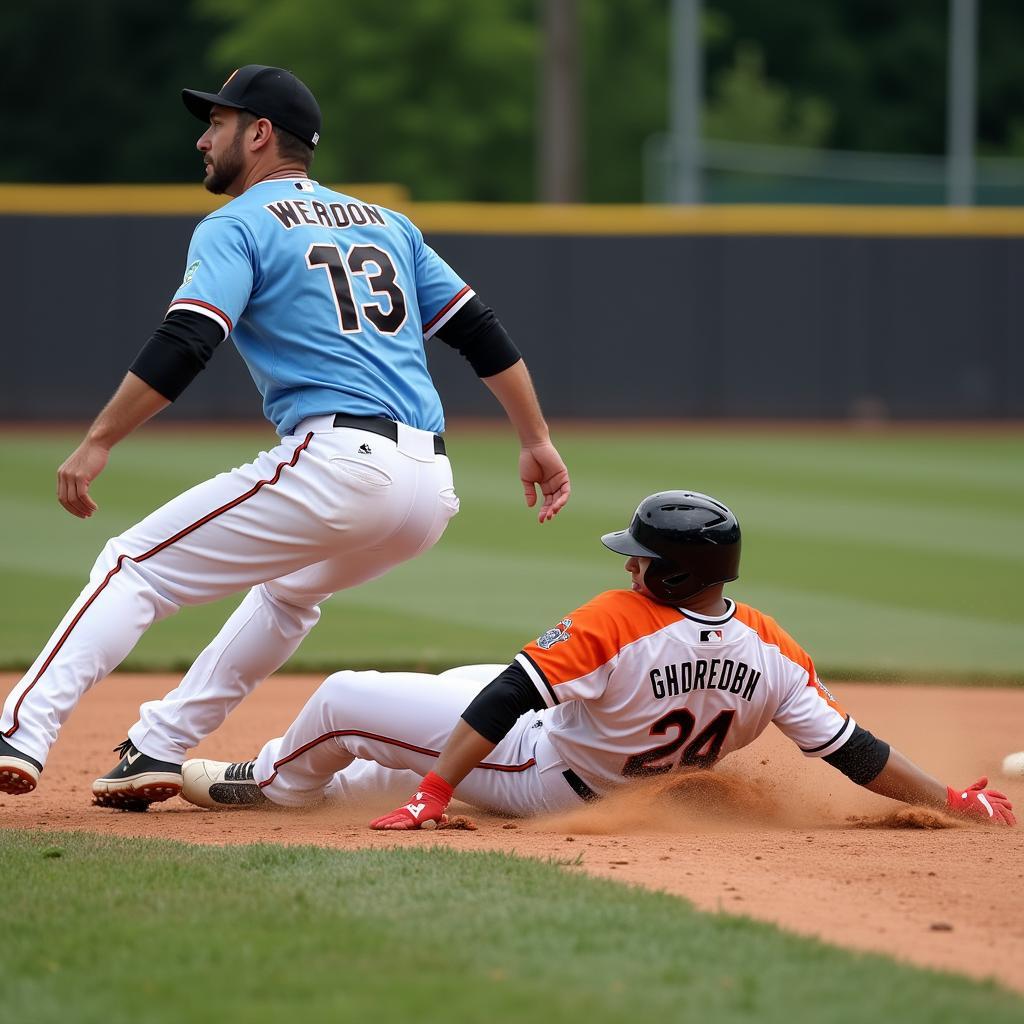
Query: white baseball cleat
x,y
221,784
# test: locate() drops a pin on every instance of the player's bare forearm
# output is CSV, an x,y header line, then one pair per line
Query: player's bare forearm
x,y
540,465
513,388
133,403
462,752
901,779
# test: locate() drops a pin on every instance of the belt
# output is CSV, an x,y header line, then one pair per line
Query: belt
x,y
382,426
579,787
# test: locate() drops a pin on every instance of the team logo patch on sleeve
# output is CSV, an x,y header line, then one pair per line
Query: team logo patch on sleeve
x,y
555,635
191,272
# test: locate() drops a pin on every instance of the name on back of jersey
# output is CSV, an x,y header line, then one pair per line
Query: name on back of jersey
x,y
736,677
298,213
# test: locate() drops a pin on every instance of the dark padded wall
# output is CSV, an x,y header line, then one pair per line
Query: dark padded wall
x,y
625,326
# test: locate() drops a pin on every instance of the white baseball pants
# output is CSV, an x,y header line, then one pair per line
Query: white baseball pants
x,y
325,510
376,734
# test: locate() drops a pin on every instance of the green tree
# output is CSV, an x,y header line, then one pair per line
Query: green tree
x,y
625,93
437,95
746,107
441,95
91,90
880,66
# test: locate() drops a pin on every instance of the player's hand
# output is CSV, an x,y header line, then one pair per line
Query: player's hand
x,y
82,466
425,810
978,802
541,465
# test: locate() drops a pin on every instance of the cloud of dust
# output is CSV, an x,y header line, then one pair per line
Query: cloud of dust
x,y
907,817
720,801
726,800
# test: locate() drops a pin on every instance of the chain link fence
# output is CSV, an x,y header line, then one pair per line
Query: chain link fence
x,y
740,172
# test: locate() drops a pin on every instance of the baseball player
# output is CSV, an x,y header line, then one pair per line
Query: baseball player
x,y
669,674
329,300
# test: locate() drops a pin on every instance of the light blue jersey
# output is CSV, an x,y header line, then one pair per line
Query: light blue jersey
x,y
328,299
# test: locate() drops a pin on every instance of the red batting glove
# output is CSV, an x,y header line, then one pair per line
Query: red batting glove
x,y
978,802
425,810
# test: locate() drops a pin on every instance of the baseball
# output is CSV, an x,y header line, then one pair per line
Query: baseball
x,y
1013,765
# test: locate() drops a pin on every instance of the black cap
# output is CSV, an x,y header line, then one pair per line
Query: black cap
x,y
272,93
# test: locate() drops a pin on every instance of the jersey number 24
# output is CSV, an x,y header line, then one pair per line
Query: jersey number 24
x,y
701,752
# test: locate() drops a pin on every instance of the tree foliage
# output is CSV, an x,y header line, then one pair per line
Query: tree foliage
x,y
91,90
881,67
747,107
441,95
435,94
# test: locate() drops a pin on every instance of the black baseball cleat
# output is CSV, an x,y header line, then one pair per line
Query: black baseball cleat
x,y
221,784
137,781
19,773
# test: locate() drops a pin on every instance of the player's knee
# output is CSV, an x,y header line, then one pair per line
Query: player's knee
x,y
293,615
116,567
360,701
280,594
345,692
109,557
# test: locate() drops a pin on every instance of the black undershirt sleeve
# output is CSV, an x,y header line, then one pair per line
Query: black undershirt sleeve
x,y
179,348
861,758
499,705
477,334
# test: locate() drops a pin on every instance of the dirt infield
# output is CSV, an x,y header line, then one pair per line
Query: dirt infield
x,y
770,834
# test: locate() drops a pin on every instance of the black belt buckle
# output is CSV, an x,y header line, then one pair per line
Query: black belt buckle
x,y
579,787
379,425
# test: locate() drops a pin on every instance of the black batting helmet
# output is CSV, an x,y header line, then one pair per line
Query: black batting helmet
x,y
693,539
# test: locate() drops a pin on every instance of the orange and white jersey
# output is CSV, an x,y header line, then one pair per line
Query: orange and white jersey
x,y
634,687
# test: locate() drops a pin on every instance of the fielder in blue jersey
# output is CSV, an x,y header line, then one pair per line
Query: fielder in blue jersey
x,y
369,288
329,300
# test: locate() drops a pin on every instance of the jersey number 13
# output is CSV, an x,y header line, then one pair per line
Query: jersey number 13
x,y
377,266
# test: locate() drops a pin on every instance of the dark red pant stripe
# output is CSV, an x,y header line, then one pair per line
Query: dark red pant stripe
x,y
393,742
258,486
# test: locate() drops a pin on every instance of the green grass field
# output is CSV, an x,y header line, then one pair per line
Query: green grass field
x,y
887,555
107,931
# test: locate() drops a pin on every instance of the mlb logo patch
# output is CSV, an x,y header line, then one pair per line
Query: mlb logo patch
x,y
711,636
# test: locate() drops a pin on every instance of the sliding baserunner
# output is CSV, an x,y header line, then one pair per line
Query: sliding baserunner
x,y
667,675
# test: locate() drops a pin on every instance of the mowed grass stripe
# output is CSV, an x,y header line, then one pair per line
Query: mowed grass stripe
x,y
389,628
935,465
871,542
776,529
869,517
889,578
140,930
867,640
857,633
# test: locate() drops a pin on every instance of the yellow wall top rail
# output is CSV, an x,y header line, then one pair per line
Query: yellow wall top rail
x,y
533,219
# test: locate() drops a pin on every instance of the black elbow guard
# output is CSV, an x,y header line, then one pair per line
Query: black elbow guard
x,y
498,706
861,757
477,334
179,348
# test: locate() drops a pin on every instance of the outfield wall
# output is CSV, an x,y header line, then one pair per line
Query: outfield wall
x,y
794,312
